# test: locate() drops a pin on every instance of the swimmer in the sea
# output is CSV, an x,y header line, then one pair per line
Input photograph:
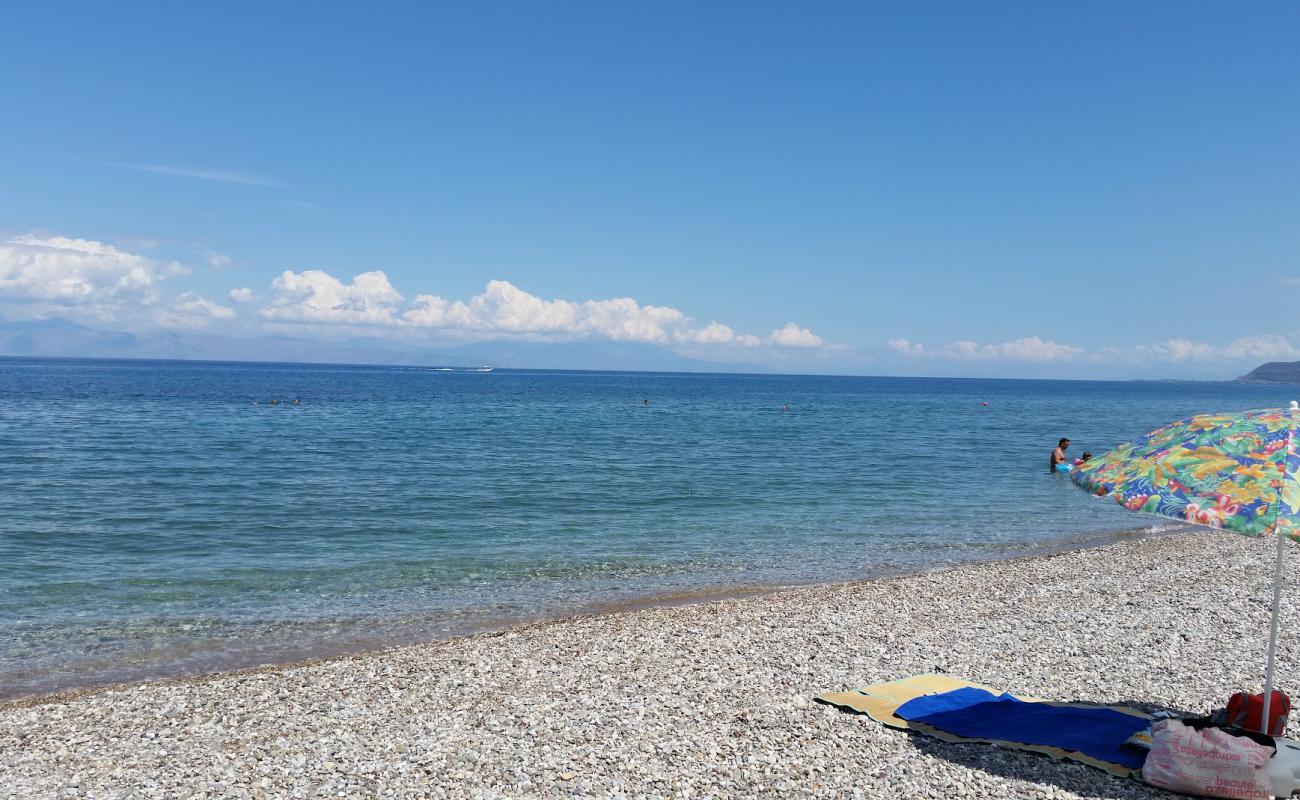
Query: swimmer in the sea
x,y
1057,462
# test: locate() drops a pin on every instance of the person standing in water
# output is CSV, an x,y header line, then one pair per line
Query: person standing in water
x,y
1057,463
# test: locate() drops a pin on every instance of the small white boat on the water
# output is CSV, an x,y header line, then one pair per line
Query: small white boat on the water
x,y
483,369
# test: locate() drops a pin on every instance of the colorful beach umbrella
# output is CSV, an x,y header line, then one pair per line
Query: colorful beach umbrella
x,y
1236,471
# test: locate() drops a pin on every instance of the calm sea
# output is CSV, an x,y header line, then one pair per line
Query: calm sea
x,y
164,518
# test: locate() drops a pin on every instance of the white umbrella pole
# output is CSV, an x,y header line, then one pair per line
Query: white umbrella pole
x,y
1272,631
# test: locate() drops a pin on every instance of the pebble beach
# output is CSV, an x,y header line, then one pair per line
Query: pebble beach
x,y
706,700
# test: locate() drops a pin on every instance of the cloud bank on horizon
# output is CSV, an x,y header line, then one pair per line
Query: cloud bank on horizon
x,y
92,280
1034,349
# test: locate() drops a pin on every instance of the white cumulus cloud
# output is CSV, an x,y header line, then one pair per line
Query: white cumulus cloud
x,y
1178,350
1245,348
1031,348
503,308
1266,346
791,335
66,271
907,348
1171,350
624,319
192,310
713,333
197,305
42,276
316,296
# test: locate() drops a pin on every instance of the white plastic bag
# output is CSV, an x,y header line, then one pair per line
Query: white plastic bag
x,y
1207,762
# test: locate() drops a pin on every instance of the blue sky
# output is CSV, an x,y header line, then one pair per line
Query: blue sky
x,y
1021,189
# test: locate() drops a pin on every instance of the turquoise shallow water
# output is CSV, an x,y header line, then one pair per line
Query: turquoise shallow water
x,y
163,518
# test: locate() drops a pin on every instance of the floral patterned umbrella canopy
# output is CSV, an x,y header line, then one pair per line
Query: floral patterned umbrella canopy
x,y
1237,471
1234,471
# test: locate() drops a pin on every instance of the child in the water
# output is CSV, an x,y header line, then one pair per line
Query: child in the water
x,y
1083,459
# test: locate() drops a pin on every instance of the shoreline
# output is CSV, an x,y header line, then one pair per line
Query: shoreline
x,y
324,652
520,626
712,697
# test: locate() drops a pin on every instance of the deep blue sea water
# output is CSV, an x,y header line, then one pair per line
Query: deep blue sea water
x,y
163,518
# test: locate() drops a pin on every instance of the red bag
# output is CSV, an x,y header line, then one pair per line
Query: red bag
x,y
1245,710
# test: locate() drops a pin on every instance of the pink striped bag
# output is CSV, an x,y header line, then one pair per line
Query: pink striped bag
x,y
1208,762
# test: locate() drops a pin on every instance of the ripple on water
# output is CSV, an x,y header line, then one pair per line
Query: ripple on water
x,y
168,524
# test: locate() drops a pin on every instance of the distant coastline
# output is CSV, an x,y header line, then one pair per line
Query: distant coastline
x,y
697,368
1274,372
64,338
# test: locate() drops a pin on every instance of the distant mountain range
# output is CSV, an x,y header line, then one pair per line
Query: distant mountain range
x,y
64,338
1273,372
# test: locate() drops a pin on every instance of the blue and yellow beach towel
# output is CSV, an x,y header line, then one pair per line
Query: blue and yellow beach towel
x,y
956,710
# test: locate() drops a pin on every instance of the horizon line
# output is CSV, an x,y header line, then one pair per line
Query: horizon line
x,y
478,367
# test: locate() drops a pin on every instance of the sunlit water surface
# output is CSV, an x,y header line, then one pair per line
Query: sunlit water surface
x,y
163,518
